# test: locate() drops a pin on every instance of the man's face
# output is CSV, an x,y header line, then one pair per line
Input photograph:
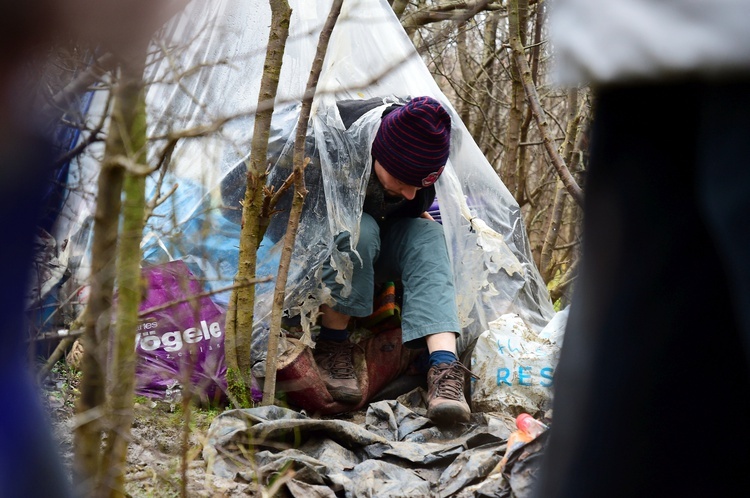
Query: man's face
x,y
393,186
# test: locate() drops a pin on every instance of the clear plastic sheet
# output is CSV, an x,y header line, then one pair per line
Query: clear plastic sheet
x,y
214,76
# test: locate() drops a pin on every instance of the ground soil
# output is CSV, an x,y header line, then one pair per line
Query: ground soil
x,y
158,455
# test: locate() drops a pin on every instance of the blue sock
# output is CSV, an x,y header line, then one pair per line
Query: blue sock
x,y
442,356
327,334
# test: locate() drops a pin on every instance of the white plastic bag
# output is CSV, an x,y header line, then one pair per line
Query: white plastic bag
x,y
515,367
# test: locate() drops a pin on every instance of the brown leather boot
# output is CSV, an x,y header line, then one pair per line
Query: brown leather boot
x,y
445,391
336,364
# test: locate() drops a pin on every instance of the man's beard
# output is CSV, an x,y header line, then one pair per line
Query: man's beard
x,y
378,202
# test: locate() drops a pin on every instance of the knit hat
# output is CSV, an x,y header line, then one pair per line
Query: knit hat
x,y
413,141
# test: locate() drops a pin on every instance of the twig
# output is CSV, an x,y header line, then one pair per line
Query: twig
x,y
72,332
249,282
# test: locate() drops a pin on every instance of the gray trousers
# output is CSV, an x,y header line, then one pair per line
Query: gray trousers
x,y
414,251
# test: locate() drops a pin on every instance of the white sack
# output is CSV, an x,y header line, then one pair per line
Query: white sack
x,y
515,367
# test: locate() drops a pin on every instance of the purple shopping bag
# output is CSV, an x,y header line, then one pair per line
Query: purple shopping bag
x,y
180,338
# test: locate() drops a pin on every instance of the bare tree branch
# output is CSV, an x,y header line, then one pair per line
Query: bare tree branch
x,y
533,98
300,192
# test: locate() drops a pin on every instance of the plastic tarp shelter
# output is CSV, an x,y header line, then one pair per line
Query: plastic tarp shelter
x,y
208,71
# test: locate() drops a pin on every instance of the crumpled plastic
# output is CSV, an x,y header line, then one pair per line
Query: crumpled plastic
x,y
398,452
49,269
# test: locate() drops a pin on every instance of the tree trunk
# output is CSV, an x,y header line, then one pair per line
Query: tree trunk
x,y
523,163
240,312
533,99
464,89
512,171
399,6
90,405
300,192
486,82
546,266
129,291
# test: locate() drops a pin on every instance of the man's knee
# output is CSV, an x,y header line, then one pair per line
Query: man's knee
x,y
421,235
368,245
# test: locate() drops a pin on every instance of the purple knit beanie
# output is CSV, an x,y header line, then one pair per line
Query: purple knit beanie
x,y
413,141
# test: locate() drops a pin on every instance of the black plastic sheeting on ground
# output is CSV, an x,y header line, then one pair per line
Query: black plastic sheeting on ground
x,y
397,452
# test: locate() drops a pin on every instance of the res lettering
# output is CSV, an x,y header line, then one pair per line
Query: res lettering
x,y
525,376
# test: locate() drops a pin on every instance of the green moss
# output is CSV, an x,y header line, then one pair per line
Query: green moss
x,y
557,305
237,388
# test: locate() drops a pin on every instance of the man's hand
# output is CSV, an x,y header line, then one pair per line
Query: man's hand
x,y
427,216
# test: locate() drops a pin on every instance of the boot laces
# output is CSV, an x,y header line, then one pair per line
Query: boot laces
x,y
338,359
449,381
